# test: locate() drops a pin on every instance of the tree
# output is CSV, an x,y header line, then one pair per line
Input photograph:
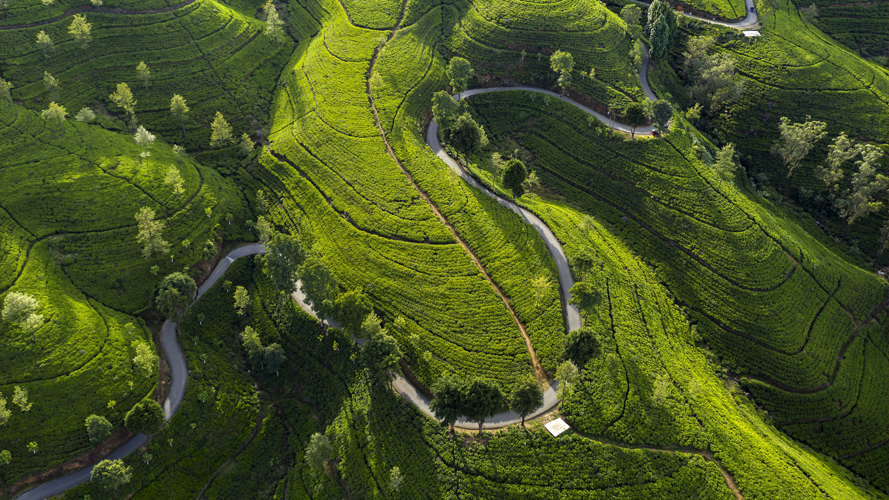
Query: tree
x,y
47,4
44,43
566,376
264,229
562,63
466,136
796,140
246,144
810,13
51,84
444,110
55,114
5,413
838,153
20,398
149,235
866,185
273,357
5,457
110,475
459,73
540,286
514,175
352,308
80,30
179,109
122,97
395,479
693,113
21,309
713,78
145,359
6,89
381,354
98,428
273,23
221,135
632,14
726,163
4,4
884,232
447,400
660,39
144,74
284,254
174,180
635,113
145,417
242,300
175,295
319,452
585,296
662,112
33,447
319,285
97,3
661,9
481,400
525,399
144,139
583,262
85,115
252,346
581,345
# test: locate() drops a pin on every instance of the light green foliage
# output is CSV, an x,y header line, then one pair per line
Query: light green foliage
x,y
526,398
274,24
713,75
726,163
145,358
867,186
514,176
541,287
175,294
562,63
796,140
246,144
5,412
631,15
81,30
85,115
175,181
839,152
98,428
319,452
45,43
6,89
395,479
567,377
222,132
381,352
123,98
810,13
33,447
242,300
150,234
5,457
22,309
179,109
143,138
459,73
110,475
146,417
264,229
144,74
55,114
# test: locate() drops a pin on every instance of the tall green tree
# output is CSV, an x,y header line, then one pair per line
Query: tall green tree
x,y
459,73
6,90
145,359
796,140
175,181
514,175
145,417
726,163
264,229
273,357
447,400
714,80
635,114
525,399
566,377
5,457
867,185
179,108
284,254
150,234
581,345
55,114
144,139
352,308
662,112
175,295
444,110
583,262
319,285
5,412
319,453
632,14
838,153
562,63
122,97
585,296
252,346
81,31
466,136
44,43
20,398
221,135
274,26
144,74
22,309
98,428
482,398
242,300
110,475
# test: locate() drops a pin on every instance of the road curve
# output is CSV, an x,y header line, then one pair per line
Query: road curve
x,y
751,20
179,377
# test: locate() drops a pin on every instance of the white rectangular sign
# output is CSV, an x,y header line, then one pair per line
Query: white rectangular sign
x,y
557,427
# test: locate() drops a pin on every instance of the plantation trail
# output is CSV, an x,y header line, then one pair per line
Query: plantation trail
x,y
106,10
539,372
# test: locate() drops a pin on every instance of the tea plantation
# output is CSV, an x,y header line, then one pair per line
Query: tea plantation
x,y
739,328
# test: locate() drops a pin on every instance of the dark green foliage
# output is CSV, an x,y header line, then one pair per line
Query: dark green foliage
x,y
381,354
662,28
526,398
145,417
319,285
482,398
466,135
447,399
175,294
661,112
581,345
444,110
284,255
583,261
110,475
514,175
98,428
459,73
273,357
352,308
635,114
585,296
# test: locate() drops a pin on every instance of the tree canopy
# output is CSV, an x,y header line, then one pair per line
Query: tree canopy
x,y
145,417
482,399
175,294
526,398
513,178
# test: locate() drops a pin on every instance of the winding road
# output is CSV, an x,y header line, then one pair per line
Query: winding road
x,y
176,359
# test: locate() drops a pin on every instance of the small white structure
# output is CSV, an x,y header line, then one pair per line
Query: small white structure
x,y
751,33
557,427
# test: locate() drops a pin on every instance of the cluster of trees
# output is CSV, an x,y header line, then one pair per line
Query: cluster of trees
x,y
457,126
270,358
21,309
711,77
661,29
853,200
146,417
480,398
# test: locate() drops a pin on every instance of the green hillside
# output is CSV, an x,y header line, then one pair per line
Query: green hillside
x,y
68,200
863,27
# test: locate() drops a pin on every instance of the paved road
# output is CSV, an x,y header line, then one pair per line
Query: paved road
x,y
178,373
750,21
